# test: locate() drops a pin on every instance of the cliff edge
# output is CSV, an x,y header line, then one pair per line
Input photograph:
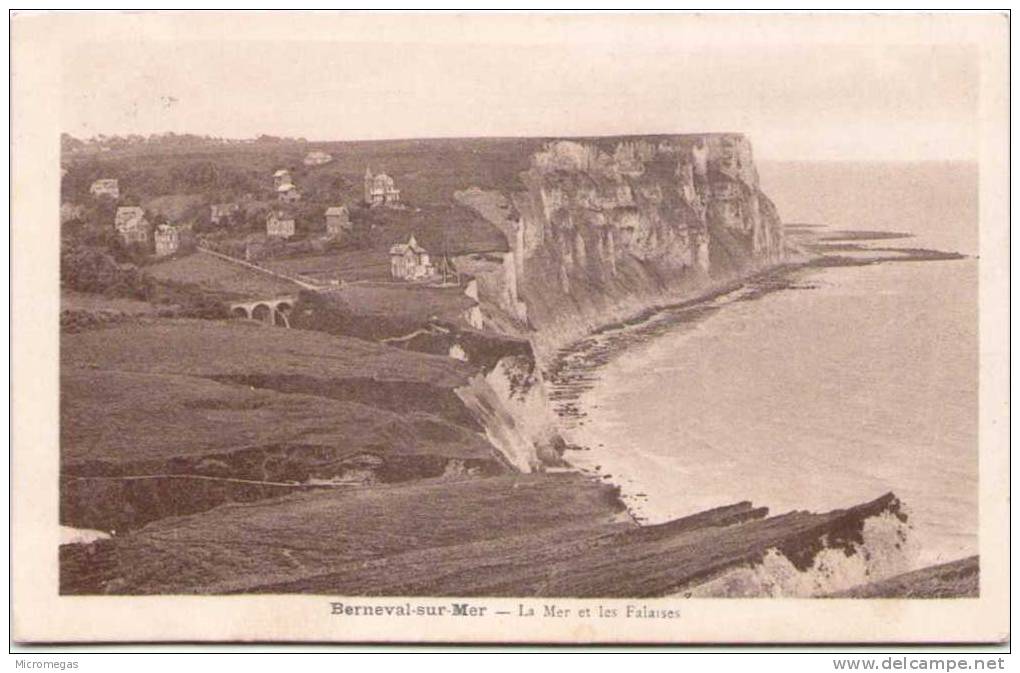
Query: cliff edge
x,y
604,229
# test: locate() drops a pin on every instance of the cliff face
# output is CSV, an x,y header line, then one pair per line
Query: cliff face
x,y
607,228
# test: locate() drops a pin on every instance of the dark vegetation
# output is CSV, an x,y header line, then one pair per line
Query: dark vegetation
x,y
377,312
95,270
184,177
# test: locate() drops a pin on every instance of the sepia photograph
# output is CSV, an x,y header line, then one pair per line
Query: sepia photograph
x,y
528,327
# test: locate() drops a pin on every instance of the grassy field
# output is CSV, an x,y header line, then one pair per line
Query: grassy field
x,y
381,311
347,265
149,391
71,300
206,348
141,421
242,400
219,275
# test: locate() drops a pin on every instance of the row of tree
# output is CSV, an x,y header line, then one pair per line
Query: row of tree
x,y
71,144
97,271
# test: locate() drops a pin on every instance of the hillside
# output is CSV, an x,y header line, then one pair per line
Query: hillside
x,y
520,535
241,400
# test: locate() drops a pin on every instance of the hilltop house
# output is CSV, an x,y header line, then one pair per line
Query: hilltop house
x,y
131,225
338,221
281,178
279,225
105,187
317,158
171,238
410,261
220,211
288,193
380,189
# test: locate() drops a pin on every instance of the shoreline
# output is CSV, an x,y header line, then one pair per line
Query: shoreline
x,y
578,369
573,365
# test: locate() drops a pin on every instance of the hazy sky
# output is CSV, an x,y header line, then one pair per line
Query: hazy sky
x,y
797,100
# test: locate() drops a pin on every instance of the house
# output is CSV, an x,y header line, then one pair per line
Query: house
x,y
221,211
171,238
288,193
317,158
279,225
105,187
338,220
281,178
380,189
410,261
131,225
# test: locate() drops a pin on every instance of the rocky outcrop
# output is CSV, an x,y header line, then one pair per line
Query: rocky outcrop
x,y
606,228
511,535
956,579
510,402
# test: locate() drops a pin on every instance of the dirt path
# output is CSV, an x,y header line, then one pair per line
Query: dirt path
x,y
203,477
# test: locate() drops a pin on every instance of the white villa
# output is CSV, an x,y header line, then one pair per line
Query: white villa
x,y
410,261
279,225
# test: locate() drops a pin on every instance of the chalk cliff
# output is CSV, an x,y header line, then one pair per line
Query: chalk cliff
x,y
606,228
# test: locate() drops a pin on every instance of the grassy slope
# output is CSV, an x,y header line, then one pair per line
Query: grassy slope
x,y
347,265
244,546
519,535
71,300
207,348
221,276
137,420
156,389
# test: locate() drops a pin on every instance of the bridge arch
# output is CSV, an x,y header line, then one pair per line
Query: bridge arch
x,y
275,311
263,313
282,313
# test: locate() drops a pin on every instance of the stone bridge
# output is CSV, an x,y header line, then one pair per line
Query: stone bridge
x,y
270,311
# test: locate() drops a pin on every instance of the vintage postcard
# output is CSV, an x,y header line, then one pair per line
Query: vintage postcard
x,y
524,327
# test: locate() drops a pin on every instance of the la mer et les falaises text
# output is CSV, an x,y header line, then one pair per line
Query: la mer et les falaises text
x,y
546,610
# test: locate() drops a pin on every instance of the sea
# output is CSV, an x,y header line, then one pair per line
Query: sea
x,y
852,382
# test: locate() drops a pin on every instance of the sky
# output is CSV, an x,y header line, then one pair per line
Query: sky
x,y
796,99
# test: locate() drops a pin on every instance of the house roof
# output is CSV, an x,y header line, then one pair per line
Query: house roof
x,y
285,188
336,210
282,171
280,215
412,245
